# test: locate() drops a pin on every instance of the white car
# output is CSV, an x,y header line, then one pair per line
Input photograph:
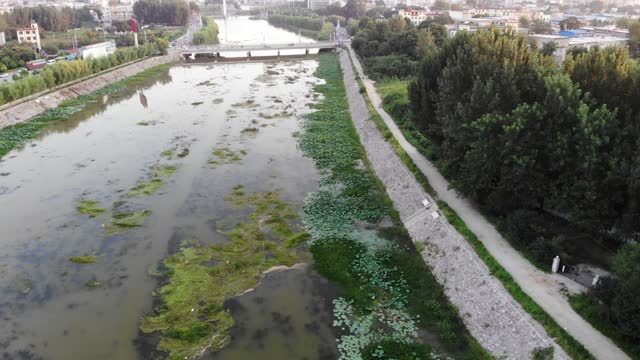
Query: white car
x,y
4,75
52,61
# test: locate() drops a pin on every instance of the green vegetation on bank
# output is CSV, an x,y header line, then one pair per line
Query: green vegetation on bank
x,y
16,135
312,27
392,47
388,292
548,152
612,307
208,35
63,72
192,317
566,341
167,12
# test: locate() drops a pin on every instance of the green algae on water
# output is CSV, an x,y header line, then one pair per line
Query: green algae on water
x,y
150,187
225,156
89,208
146,188
93,283
163,171
125,221
192,317
85,259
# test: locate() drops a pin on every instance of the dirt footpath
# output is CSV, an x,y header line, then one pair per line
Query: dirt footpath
x,y
24,109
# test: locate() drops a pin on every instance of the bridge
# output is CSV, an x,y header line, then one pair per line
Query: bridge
x,y
215,51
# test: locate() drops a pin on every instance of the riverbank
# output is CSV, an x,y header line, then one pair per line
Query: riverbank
x,y
545,289
24,109
358,241
469,283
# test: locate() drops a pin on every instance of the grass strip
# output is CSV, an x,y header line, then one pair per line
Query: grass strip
x,y
573,348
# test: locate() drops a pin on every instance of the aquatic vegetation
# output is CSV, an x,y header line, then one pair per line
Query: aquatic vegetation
x,y
89,208
93,283
124,221
282,114
224,156
183,153
150,187
249,130
146,188
167,153
388,292
192,317
249,104
163,171
206,83
196,103
84,259
143,123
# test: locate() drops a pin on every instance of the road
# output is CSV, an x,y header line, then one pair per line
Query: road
x,y
195,24
543,288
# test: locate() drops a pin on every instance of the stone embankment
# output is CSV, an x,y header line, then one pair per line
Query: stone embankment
x,y
24,109
492,316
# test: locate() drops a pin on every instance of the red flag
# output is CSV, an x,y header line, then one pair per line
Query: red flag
x,y
133,25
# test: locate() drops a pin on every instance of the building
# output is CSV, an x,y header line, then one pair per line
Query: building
x,y
566,43
30,34
96,51
417,16
120,12
575,33
318,4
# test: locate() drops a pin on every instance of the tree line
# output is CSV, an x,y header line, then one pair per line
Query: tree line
x,y
208,35
552,153
309,26
48,18
392,47
66,71
167,12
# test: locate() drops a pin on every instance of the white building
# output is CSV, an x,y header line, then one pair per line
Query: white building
x,y
30,35
417,16
98,50
318,4
567,43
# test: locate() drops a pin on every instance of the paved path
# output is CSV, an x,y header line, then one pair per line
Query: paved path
x,y
542,287
492,316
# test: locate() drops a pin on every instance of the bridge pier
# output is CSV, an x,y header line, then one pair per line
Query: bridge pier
x,y
306,51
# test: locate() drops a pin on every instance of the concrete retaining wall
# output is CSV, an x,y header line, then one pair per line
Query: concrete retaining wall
x,y
24,109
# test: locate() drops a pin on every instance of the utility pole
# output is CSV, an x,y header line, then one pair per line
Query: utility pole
x,y
224,9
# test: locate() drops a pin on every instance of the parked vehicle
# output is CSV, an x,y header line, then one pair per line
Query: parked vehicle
x,y
36,64
51,61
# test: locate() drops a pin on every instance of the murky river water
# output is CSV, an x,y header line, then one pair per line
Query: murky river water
x,y
47,309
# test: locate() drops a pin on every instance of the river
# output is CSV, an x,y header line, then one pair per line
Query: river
x,y
210,128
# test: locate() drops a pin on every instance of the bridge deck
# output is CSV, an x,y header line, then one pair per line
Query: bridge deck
x,y
256,47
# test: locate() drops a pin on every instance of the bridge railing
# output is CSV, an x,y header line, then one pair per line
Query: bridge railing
x,y
230,47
